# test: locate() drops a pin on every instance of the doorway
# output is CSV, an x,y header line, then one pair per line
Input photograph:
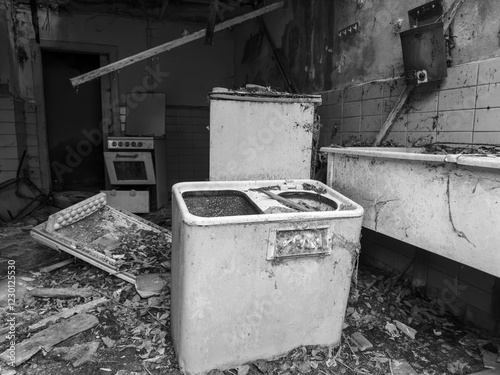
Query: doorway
x,y
73,122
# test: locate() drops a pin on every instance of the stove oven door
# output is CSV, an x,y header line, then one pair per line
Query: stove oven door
x,y
130,168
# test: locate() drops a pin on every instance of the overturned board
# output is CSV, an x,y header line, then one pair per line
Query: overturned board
x,y
107,237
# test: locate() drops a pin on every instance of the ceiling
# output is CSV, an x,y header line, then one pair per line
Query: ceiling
x,y
186,11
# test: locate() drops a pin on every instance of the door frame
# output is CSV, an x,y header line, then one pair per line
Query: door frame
x,y
109,96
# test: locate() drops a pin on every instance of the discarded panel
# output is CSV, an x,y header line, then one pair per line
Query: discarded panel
x,y
106,237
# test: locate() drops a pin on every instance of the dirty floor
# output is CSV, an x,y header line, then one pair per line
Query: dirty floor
x,y
405,333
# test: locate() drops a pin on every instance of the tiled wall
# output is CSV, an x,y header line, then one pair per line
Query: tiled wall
x,y
15,139
463,108
12,136
469,294
188,143
32,144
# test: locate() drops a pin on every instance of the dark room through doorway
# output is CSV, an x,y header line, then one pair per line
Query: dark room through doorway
x,y
73,120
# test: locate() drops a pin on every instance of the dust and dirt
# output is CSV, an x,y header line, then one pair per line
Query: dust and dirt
x,y
134,333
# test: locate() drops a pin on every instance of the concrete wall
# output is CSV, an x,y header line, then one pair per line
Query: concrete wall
x,y
375,52
463,108
303,32
193,69
186,74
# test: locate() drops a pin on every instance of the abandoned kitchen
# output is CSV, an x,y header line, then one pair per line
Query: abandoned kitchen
x,y
216,187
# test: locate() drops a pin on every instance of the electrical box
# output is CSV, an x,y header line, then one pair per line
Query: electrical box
x,y
424,53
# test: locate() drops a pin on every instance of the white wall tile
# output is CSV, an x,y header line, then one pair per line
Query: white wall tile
x,y
332,111
372,107
7,128
423,102
367,137
8,140
460,76
421,122
351,124
463,98
415,139
352,109
462,120
487,120
400,123
370,123
396,138
348,139
487,138
455,137
488,96
489,72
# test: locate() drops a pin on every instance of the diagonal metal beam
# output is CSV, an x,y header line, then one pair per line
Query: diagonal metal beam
x,y
75,81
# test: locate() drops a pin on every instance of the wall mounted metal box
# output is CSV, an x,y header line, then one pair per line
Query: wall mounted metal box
x,y
253,279
424,53
260,135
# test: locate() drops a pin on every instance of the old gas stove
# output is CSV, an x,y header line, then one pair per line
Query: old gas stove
x,y
136,168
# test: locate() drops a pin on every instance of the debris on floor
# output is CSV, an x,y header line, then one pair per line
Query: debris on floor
x,y
120,328
402,368
360,341
151,284
49,337
78,354
464,149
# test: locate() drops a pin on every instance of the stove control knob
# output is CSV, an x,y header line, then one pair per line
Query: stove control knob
x,y
120,144
133,144
139,144
113,144
127,144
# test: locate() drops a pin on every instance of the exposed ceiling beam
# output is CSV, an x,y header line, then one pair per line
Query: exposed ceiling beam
x,y
75,81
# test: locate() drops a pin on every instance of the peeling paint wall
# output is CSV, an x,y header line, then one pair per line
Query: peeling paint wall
x,y
303,32
185,74
375,52
462,108
8,84
193,69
